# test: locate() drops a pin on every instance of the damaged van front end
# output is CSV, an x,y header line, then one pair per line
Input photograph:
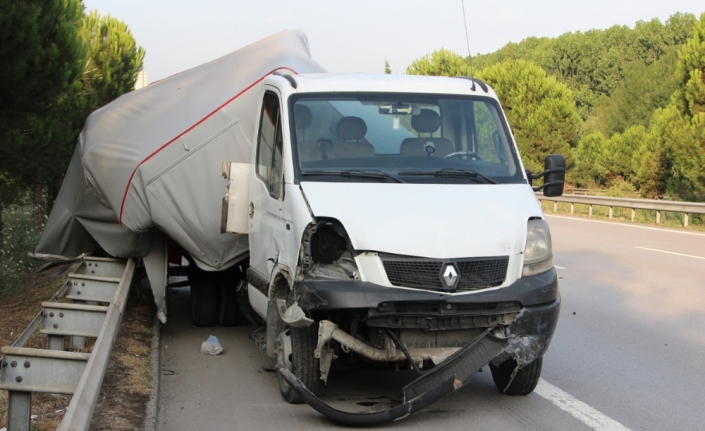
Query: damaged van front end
x,y
392,226
508,329
445,317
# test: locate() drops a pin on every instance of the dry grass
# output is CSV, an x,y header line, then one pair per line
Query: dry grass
x,y
18,310
136,359
127,386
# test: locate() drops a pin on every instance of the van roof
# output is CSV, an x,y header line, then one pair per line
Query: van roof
x,y
358,82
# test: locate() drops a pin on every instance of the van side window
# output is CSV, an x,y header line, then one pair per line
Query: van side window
x,y
269,145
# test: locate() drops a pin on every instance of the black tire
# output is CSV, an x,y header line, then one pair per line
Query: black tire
x,y
303,364
228,313
525,380
204,303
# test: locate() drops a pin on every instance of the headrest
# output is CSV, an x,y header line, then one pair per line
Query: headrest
x,y
302,116
351,128
426,121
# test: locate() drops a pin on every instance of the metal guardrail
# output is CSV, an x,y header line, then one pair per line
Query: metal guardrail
x,y
686,208
26,370
597,192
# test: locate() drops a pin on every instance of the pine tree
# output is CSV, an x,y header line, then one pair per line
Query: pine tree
x,y
41,53
541,110
685,142
439,63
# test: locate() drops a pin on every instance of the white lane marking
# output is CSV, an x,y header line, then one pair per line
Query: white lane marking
x,y
578,409
558,267
671,252
627,225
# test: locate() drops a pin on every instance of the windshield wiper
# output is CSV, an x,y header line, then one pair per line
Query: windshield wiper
x,y
452,172
356,173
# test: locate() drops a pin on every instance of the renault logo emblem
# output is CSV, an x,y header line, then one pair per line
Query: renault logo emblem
x,y
450,275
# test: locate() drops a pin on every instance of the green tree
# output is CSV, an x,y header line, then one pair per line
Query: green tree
x,y
41,53
47,140
643,90
588,170
686,142
651,161
114,59
594,63
541,110
387,69
440,63
618,154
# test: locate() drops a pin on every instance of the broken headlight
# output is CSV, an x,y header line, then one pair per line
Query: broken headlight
x,y
538,253
327,252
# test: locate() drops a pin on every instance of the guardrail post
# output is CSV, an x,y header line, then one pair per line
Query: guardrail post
x,y
611,213
78,341
572,207
590,211
555,207
685,219
633,214
56,342
658,217
19,408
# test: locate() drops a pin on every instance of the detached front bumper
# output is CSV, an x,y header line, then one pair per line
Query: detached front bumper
x,y
525,338
443,379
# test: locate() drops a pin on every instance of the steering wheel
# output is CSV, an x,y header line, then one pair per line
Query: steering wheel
x,y
471,154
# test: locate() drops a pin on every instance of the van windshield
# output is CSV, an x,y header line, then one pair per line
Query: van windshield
x,y
391,137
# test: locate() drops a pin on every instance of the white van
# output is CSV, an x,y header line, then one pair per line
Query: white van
x,y
391,222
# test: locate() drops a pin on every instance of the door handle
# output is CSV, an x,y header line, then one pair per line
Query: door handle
x,y
252,210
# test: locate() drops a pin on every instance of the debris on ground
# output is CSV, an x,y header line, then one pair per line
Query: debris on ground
x,y
211,346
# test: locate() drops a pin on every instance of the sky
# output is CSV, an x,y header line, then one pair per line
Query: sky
x,y
357,36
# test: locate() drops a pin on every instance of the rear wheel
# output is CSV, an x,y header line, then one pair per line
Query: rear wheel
x,y
228,313
204,303
295,348
525,379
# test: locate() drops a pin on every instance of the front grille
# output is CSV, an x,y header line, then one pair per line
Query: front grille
x,y
422,273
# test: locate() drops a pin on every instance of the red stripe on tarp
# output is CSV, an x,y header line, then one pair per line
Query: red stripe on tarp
x,y
127,188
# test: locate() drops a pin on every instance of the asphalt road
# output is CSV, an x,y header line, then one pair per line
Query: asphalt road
x,y
627,354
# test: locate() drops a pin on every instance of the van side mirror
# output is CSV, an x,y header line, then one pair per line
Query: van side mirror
x,y
553,176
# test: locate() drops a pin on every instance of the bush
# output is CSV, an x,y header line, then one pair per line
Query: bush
x,y
20,236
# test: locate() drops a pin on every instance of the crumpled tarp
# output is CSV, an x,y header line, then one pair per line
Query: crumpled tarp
x,y
148,165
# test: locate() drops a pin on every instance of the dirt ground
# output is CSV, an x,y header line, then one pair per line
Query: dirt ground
x,y
127,384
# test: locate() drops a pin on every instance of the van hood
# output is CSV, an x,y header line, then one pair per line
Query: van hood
x,y
441,221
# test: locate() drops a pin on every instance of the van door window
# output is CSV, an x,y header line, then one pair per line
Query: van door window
x,y
269,145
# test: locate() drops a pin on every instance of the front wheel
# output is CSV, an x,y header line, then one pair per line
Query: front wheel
x,y
525,379
295,348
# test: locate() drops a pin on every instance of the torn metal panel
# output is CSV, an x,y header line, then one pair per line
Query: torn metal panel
x,y
155,262
292,316
524,350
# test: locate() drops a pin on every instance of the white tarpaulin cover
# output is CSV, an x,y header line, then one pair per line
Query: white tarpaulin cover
x,y
148,165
